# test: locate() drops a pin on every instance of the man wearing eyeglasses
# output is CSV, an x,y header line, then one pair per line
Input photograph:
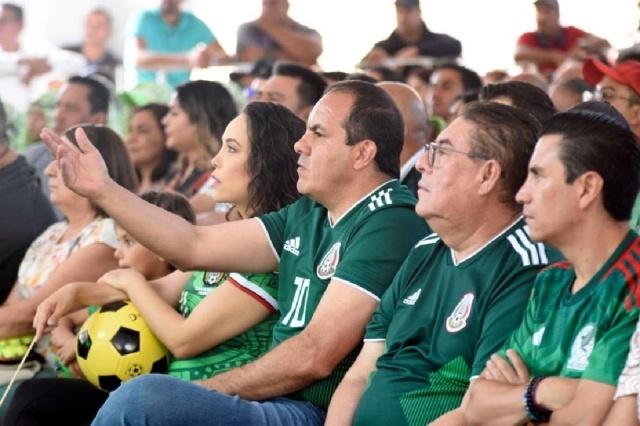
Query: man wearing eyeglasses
x,y
462,289
619,85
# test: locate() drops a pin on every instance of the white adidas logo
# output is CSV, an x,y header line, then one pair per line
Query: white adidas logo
x,y
411,300
293,246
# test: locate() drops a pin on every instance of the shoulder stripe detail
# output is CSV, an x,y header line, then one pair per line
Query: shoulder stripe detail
x,y
533,250
357,287
629,266
531,253
266,233
429,239
254,289
524,255
373,340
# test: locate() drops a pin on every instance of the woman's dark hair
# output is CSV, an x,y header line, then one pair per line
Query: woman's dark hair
x,y
273,130
169,156
113,151
210,107
172,202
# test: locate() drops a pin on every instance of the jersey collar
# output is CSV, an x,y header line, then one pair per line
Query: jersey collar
x,y
501,233
354,205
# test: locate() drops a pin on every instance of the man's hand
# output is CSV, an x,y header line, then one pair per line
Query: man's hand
x,y
498,369
122,279
82,167
33,67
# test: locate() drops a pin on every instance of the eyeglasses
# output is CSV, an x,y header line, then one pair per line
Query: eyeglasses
x,y
433,147
608,94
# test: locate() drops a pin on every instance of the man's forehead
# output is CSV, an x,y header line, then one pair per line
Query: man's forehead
x,y
614,84
446,76
332,109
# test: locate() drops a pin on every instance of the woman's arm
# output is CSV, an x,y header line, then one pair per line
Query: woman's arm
x,y
86,264
213,321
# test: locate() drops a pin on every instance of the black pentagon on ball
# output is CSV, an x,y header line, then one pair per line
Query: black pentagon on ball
x,y
84,344
126,341
160,366
113,306
109,383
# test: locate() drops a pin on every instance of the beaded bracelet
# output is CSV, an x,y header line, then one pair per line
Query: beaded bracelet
x,y
535,412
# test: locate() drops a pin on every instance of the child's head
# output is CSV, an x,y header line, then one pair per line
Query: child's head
x,y
131,254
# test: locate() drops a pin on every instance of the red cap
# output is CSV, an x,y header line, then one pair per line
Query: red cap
x,y
626,73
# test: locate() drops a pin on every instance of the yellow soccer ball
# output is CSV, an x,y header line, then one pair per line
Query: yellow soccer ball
x,y
115,345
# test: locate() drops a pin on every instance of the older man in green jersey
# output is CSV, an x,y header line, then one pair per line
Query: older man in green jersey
x,y
336,252
462,289
562,363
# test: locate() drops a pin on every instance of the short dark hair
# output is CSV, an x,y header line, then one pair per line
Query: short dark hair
x,y
506,134
471,81
99,95
522,95
169,156
375,116
209,106
312,85
16,10
273,130
595,141
172,202
112,150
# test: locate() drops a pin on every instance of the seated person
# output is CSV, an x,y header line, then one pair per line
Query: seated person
x,y
412,38
24,211
275,36
462,289
172,41
551,44
146,145
446,83
207,336
561,365
79,248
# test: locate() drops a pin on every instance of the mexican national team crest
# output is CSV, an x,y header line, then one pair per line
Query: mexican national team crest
x,y
458,318
211,278
582,348
329,262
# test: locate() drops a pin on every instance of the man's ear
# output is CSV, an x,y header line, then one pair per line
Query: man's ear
x,y
489,176
589,187
363,154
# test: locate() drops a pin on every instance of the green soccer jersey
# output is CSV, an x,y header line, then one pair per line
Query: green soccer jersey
x,y
238,350
635,215
441,320
586,334
364,248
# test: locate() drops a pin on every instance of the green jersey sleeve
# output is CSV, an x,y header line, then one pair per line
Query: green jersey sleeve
x,y
610,352
274,224
505,310
379,323
371,259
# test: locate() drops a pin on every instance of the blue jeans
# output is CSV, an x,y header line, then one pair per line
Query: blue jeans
x,y
163,400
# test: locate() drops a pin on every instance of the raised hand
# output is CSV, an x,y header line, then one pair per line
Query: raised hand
x,y
82,167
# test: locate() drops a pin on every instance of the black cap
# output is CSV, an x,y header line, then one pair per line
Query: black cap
x,y
409,4
549,3
261,69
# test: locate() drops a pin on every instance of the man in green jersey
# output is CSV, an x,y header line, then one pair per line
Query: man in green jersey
x,y
336,251
462,289
562,363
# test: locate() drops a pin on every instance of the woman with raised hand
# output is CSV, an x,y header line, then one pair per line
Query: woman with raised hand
x,y
224,320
